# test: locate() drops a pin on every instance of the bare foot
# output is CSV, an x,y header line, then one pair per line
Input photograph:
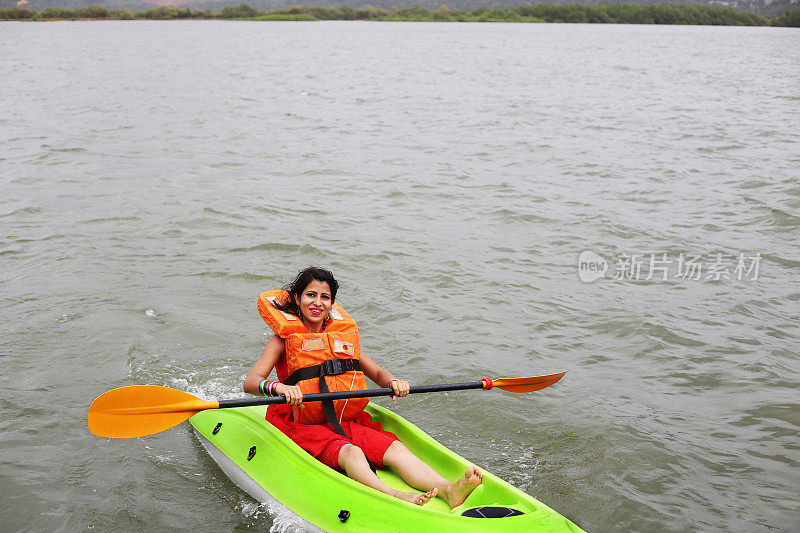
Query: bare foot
x,y
457,493
416,498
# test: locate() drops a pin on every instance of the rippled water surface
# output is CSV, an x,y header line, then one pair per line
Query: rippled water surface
x,y
156,176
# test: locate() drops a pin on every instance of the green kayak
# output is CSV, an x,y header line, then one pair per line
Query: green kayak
x,y
269,466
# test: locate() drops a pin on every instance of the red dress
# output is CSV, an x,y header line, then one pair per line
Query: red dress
x,y
322,441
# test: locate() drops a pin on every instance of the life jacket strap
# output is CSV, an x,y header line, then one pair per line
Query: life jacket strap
x,y
327,405
329,367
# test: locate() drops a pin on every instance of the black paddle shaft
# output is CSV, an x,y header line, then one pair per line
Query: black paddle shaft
x,y
350,394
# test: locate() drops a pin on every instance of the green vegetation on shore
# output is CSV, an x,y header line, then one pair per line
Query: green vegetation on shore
x,y
570,13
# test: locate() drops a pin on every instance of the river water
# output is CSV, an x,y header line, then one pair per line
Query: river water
x,y
155,177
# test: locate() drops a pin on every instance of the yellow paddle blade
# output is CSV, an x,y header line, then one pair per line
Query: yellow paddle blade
x,y
527,384
142,410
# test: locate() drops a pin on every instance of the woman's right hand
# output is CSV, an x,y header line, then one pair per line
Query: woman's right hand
x,y
294,396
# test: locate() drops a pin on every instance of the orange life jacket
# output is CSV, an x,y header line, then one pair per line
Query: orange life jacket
x,y
319,361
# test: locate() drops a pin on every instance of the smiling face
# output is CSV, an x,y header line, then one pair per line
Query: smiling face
x,y
314,303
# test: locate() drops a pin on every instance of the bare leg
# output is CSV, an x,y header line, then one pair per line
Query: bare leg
x,y
420,475
355,464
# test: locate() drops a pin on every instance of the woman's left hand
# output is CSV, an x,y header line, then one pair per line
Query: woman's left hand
x,y
400,388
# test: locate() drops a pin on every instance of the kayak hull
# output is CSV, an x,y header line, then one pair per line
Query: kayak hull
x,y
271,468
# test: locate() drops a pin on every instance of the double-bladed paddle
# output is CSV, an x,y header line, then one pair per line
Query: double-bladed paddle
x,y
141,410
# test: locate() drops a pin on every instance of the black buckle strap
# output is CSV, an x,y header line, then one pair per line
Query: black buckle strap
x,y
327,405
329,367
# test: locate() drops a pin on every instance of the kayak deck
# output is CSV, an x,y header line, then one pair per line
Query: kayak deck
x,y
268,465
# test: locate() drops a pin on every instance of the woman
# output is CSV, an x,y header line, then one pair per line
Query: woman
x,y
344,437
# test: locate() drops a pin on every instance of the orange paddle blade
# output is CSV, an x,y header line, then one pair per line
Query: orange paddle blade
x,y
527,384
142,410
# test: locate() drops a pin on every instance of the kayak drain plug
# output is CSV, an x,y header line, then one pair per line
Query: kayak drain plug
x,y
216,428
344,515
252,453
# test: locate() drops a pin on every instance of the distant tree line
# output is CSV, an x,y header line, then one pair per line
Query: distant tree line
x,y
767,8
789,19
570,13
